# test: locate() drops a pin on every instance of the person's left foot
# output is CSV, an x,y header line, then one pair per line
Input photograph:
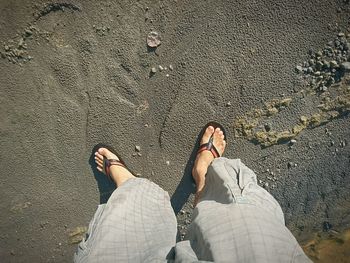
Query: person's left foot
x,y
119,174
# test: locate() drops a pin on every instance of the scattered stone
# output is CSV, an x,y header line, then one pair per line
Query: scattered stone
x,y
345,66
138,148
266,185
341,34
139,154
323,88
333,64
153,39
228,104
167,162
290,165
134,154
165,68
21,43
332,143
167,75
12,252
182,212
267,127
293,141
171,67
160,68
299,69
153,70
319,65
28,32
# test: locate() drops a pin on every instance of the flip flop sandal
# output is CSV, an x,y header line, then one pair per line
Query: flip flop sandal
x,y
107,163
209,146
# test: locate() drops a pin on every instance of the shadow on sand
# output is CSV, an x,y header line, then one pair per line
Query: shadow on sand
x,y
105,185
187,185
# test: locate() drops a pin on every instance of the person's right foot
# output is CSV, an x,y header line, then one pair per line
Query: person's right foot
x,y
119,174
204,158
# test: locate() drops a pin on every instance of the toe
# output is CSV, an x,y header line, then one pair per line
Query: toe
x,y
207,134
98,161
108,154
99,168
99,156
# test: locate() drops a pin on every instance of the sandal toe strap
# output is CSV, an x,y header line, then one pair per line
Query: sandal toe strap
x,y
209,146
107,163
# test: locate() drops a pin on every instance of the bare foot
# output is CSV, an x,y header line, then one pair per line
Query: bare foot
x,y
118,173
204,158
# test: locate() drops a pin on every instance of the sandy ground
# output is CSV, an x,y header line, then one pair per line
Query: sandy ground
x,y
78,73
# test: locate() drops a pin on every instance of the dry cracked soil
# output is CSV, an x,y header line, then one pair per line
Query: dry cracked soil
x,y
77,73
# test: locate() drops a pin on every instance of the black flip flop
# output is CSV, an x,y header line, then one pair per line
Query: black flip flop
x,y
209,146
107,163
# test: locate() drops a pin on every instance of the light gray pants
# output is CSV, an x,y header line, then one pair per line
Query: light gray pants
x,y
235,221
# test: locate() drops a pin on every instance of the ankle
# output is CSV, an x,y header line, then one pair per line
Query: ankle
x,y
120,175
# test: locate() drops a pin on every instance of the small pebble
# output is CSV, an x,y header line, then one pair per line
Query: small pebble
x,y
267,127
28,32
167,75
345,66
160,68
333,64
153,39
228,104
171,67
266,185
299,69
139,154
182,212
293,141
153,70
290,165
167,162
137,148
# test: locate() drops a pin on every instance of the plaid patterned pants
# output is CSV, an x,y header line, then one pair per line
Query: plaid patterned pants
x,y
235,221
